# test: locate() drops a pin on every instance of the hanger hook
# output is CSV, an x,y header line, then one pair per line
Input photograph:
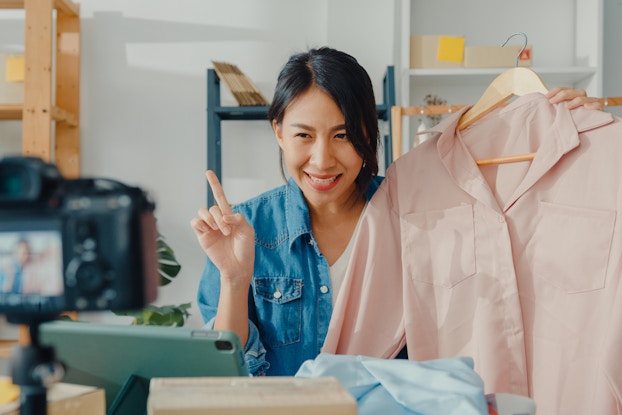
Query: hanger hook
x,y
524,44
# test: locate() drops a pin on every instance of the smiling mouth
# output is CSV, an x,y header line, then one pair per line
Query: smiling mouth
x,y
323,181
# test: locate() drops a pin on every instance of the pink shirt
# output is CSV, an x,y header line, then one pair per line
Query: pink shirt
x,y
517,265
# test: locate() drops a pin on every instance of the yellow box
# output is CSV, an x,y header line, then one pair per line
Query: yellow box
x,y
15,67
436,51
11,92
272,395
496,56
68,399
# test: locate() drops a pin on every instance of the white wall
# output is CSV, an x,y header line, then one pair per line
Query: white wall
x,y
144,69
143,95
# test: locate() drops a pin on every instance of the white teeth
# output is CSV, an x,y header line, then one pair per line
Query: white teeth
x,y
323,181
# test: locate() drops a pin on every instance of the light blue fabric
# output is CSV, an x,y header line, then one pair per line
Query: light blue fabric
x,y
290,301
403,387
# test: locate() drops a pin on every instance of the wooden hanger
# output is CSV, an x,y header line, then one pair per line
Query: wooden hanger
x,y
516,81
513,82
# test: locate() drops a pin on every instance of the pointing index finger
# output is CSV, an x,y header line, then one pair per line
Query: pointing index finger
x,y
219,193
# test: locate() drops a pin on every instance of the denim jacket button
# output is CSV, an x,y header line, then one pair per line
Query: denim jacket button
x,y
277,294
323,289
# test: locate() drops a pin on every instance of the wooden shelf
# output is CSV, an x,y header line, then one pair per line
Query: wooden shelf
x,y
11,111
15,112
50,130
63,6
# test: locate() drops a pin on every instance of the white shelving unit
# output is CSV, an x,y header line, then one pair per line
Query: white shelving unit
x,y
566,36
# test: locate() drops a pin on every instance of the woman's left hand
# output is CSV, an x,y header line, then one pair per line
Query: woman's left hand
x,y
573,97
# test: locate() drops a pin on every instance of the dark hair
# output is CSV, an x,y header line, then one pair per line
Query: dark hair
x,y
346,81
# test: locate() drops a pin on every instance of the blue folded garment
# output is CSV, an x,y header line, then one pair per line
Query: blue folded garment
x,y
380,386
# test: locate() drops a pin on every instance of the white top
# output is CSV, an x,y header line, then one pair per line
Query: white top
x,y
338,269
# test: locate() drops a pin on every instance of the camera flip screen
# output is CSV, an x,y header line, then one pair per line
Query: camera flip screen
x,y
31,266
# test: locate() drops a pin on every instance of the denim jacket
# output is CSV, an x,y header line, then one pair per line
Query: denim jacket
x,y
290,299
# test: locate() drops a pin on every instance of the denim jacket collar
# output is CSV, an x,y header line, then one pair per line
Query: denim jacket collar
x,y
297,216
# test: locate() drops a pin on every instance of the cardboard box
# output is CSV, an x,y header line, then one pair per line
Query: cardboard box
x,y
270,395
496,56
436,51
68,399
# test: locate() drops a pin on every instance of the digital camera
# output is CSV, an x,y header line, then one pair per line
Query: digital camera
x,y
72,244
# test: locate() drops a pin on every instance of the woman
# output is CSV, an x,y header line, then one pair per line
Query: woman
x,y
324,117
275,262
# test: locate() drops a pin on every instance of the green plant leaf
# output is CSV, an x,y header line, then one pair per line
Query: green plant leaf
x,y
168,267
152,315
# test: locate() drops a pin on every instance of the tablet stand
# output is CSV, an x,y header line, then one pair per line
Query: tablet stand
x,y
132,398
34,368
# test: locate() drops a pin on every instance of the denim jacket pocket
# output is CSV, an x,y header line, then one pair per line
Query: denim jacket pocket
x,y
279,309
439,246
570,247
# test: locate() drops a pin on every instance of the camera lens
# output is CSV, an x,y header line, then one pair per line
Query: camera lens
x,y
90,278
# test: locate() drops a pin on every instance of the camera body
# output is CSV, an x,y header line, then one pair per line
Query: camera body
x,y
90,243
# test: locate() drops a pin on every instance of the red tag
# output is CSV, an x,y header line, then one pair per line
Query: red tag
x,y
525,55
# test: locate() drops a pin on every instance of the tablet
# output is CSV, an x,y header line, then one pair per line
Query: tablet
x,y
121,359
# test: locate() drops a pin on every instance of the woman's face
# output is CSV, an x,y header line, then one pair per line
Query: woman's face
x,y
316,149
22,252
